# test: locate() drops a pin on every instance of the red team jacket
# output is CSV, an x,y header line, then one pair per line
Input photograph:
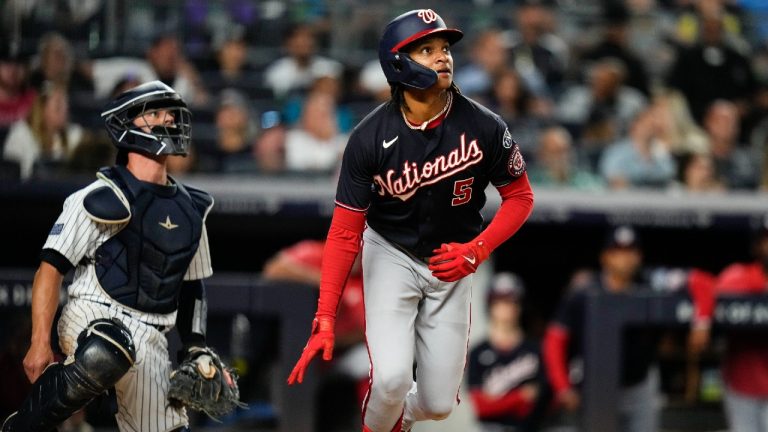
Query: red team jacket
x,y
745,366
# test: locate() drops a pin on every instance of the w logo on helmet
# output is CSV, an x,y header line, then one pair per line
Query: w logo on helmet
x,y
428,15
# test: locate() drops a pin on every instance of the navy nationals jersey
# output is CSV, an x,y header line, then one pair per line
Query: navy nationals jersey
x,y
422,188
497,373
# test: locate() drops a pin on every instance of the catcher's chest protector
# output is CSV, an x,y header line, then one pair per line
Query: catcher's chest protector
x,y
143,266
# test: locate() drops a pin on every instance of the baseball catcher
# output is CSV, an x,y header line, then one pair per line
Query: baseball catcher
x,y
137,242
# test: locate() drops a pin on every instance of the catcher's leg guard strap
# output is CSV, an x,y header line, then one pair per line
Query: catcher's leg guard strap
x,y
104,354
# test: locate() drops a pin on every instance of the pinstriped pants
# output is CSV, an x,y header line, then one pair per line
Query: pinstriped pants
x,y
141,392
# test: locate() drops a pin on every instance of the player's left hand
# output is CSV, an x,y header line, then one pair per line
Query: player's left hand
x,y
322,338
453,261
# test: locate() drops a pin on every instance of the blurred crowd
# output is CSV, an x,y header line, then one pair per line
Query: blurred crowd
x,y
603,94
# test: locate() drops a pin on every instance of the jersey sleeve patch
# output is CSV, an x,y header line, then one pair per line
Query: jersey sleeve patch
x,y
516,163
104,206
507,140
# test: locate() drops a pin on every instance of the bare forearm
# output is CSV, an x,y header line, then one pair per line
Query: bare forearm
x,y
281,268
45,300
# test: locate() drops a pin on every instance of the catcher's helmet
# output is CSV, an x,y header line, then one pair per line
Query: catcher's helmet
x,y
165,139
409,27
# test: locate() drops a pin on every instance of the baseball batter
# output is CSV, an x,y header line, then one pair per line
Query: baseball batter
x,y
415,170
137,242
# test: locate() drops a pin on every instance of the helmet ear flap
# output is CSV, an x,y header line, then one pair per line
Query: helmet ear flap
x,y
407,28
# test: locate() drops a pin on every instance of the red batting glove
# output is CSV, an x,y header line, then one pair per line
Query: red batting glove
x,y
322,337
453,261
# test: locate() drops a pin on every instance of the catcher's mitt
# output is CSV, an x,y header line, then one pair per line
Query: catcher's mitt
x,y
203,383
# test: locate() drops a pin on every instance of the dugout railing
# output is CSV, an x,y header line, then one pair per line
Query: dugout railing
x,y
607,315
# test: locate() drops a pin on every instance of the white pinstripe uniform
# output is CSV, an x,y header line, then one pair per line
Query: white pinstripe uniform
x,y
141,393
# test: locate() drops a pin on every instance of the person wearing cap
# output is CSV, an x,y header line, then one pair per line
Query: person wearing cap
x,y
620,260
411,188
506,376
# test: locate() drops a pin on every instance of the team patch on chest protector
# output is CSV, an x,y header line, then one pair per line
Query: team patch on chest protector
x,y
405,183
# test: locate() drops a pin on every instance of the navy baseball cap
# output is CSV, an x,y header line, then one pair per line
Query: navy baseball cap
x,y
621,237
506,286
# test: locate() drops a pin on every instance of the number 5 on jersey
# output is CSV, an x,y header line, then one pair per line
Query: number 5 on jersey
x,y
462,191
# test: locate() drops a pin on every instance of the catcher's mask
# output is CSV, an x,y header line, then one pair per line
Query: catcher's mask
x,y
402,31
171,137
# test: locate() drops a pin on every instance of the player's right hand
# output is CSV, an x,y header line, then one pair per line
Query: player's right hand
x,y
322,338
453,261
38,357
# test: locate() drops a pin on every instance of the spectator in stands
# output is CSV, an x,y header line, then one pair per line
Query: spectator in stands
x,y
315,143
640,159
688,26
269,148
614,43
488,58
329,85
235,133
556,163
230,67
300,262
538,53
675,125
164,60
712,69
524,112
16,95
46,136
56,63
506,375
301,65
600,111
621,261
169,64
736,166
754,125
696,174
95,151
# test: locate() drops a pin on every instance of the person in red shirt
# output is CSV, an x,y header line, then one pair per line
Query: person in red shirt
x,y
300,262
345,380
745,364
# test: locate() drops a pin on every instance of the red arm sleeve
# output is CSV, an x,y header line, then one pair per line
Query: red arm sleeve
x,y
701,286
339,253
511,403
516,206
554,353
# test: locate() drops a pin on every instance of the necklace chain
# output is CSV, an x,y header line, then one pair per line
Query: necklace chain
x,y
424,125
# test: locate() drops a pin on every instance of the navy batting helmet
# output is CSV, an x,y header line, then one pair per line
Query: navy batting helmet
x,y
164,139
407,28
